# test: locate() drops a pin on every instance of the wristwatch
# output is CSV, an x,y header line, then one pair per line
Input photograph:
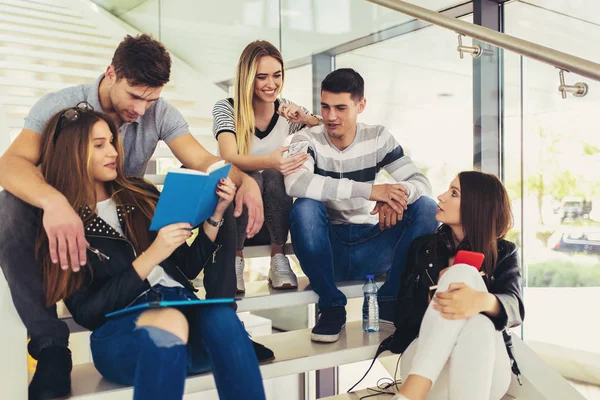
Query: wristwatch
x,y
319,118
216,224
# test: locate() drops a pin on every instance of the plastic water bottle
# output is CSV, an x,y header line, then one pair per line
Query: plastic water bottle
x,y
370,306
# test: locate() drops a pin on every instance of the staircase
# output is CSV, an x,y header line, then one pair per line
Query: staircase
x,y
52,44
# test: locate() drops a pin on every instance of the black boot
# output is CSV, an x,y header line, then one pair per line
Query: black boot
x,y
264,354
52,378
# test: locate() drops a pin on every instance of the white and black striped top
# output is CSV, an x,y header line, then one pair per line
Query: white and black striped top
x,y
263,142
343,179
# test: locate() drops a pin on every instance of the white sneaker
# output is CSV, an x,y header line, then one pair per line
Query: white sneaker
x,y
280,273
239,274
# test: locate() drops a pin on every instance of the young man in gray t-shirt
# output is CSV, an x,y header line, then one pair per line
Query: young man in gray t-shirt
x,y
129,93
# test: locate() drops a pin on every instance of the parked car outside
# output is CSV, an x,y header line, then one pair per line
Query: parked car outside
x,y
580,241
573,207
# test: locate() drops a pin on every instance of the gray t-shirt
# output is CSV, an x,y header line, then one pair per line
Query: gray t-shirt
x,y
161,121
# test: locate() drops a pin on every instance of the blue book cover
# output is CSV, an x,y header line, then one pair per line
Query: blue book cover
x,y
172,303
188,196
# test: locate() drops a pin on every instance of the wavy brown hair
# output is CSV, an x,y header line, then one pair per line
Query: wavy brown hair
x,y
485,214
66,166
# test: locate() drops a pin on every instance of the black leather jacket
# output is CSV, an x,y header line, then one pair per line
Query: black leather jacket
x,y
505,283
111,281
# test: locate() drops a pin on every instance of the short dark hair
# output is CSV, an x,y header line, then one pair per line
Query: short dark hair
x,y
143,61
345,80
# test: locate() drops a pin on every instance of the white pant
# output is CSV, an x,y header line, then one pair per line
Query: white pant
x,y
465,359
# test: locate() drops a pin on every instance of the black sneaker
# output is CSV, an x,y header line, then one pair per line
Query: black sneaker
x,y
52,378
264,354
331,322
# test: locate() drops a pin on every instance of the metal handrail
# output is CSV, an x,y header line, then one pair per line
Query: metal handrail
x,y
535,51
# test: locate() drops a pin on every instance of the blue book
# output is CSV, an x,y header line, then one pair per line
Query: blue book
x,y
189,196
171,303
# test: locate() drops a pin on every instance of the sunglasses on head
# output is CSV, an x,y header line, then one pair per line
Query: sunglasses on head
x,y
71,115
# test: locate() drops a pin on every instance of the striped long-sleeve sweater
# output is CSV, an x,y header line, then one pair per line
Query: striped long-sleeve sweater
x,y
343,179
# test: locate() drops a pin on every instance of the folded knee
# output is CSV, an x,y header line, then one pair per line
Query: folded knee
x,y
306,211
166,327
462,273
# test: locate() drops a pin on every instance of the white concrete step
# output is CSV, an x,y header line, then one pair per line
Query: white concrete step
x,y
97,63
17,107
46,7
41,41
261,296
41,15
67,38
52,25
48,69
170,91
359,394
294,351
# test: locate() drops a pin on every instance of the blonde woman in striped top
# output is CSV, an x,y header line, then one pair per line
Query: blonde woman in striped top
x,y
251,129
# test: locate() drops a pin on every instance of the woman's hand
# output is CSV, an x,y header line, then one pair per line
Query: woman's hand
x,y
226,190
460,301
168,239
286,165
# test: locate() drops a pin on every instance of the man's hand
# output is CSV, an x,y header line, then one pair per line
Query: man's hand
x,y
387,216
249,195
65,234
460,301
394,194
293,113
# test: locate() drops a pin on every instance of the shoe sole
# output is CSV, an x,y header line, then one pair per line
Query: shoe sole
x,y
285,286
315,337
267,361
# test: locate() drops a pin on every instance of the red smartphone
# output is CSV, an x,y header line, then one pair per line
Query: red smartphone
x,y
469,257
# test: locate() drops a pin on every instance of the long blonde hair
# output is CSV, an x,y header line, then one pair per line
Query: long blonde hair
x,y
245,75
66,165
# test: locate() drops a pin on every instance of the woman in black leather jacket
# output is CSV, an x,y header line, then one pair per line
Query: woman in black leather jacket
x,y
460,351
151,349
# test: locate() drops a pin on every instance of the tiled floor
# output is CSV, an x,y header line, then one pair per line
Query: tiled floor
x,y
590,392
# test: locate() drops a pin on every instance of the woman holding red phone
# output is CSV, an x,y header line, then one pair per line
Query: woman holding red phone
x,y
460,351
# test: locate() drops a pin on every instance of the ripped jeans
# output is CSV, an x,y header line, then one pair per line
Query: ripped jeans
x,y
156,362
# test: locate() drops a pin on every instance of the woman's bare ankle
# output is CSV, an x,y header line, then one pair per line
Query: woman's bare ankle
x,y
276,249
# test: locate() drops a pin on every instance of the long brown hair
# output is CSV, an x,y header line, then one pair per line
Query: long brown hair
x,y
485,214
66,165
243,84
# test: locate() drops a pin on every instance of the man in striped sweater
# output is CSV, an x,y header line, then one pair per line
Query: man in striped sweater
x,y
344,226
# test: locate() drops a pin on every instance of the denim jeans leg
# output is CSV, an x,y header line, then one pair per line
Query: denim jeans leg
x,y
153,360
418,220
18,231
218,339
309,227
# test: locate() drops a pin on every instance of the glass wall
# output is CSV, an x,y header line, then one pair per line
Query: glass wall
x,y
552,153
424,98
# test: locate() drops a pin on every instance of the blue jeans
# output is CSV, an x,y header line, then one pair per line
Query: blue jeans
x,y
329,253
156,362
